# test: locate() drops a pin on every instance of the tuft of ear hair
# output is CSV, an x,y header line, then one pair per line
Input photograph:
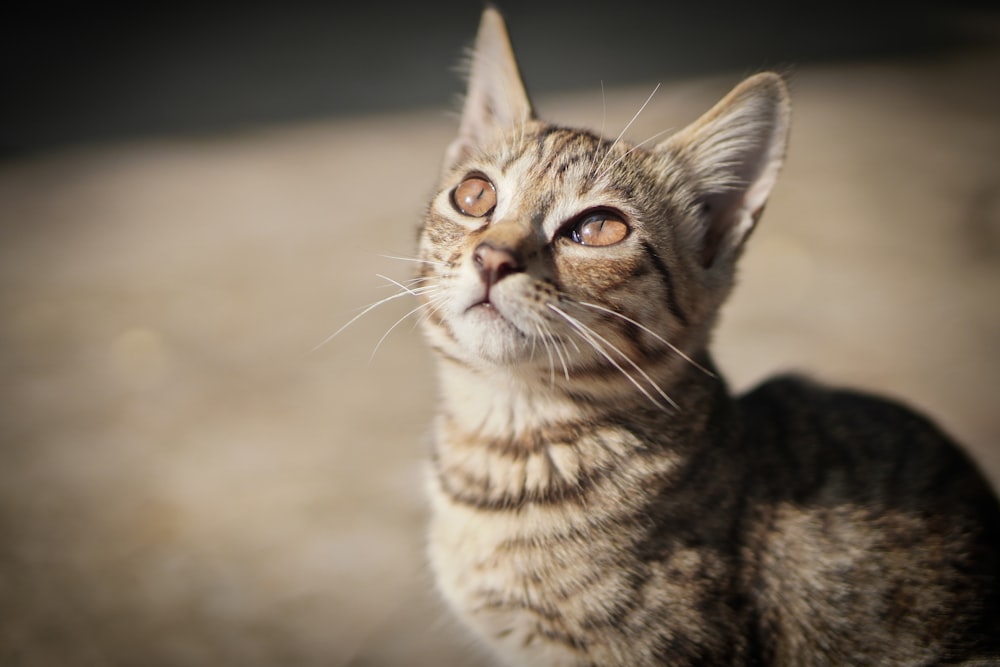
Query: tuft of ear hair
x,y
496,98
735,150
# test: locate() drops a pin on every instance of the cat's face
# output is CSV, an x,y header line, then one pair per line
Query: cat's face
x,y
539,237
558,252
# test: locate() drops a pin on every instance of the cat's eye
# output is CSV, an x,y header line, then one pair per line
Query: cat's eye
x,y
475,197
602,228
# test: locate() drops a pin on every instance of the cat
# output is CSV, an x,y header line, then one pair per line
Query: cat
x,y
598,496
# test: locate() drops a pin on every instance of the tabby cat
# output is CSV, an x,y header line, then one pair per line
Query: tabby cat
x,y
598,496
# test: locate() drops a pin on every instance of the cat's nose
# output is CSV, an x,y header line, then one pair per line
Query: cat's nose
x,y
496,263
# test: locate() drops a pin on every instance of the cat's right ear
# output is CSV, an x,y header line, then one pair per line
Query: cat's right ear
x,y
496,98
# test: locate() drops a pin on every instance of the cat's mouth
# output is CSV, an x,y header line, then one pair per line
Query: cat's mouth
x,y
485,306
485,310
483,302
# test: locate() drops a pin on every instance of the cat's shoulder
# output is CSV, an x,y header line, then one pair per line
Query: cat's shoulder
x,y
826,422
801,399
804,425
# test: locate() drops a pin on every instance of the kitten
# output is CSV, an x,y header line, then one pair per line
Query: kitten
x,y
598,496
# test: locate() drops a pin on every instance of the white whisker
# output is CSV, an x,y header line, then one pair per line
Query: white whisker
x,y
412,282
561,353
415,291
415,259
594,338
604,120
651,333
629,151
552,343
540,335
405,291
435,306
396,324
368,309
622,134
604,108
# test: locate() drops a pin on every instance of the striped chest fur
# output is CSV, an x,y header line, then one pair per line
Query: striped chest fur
x,y
527,542
542,538
598,497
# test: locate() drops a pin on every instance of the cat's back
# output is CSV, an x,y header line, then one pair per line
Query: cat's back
x,y
835,443
866,521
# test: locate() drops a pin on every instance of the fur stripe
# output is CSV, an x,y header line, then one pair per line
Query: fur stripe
x,y
479,493
446,356
494,602
436,319
668,281
513,447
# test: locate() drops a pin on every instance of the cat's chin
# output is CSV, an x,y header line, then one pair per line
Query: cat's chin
x,y
488,336
485,336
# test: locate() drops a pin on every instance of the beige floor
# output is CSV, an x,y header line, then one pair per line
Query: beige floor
x,y
182,482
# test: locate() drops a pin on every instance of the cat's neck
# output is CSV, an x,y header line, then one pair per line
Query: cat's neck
x,y
505,403
501,403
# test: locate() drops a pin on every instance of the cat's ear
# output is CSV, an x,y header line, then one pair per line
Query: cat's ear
x,y
736,151
496,98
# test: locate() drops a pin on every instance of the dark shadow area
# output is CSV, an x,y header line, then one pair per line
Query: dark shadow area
x,y
82,72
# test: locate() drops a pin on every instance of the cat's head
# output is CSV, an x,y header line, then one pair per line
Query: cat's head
x,y
561,253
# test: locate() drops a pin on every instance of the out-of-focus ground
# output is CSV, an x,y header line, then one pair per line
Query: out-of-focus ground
x,y
183,482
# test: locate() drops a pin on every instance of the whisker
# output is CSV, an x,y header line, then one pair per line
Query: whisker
x,y
551,343
604,120
558,346
589,338
416,291
541,335
637,113
435,306
571,341
592,337
396,324
559,353
650,332
604,108
368,309
415,259
531,354
629,151
622,134
406,291
410,282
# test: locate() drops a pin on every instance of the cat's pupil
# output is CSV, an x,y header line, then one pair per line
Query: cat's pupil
x,y
600,229
475,197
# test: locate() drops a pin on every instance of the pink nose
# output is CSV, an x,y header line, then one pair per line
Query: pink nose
x,y
495,264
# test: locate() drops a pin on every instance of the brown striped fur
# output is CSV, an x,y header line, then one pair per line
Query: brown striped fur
x,y
599,498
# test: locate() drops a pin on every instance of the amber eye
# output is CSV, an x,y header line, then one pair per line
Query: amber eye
x,y
599,229
475,197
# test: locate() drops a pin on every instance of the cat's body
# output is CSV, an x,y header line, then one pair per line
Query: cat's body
x,y
772,530
599,498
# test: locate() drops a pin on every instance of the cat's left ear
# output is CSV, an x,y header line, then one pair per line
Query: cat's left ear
x,y
496,98
736,151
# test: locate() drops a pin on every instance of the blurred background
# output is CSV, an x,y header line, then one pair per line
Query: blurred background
x,y
81,73
193,197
